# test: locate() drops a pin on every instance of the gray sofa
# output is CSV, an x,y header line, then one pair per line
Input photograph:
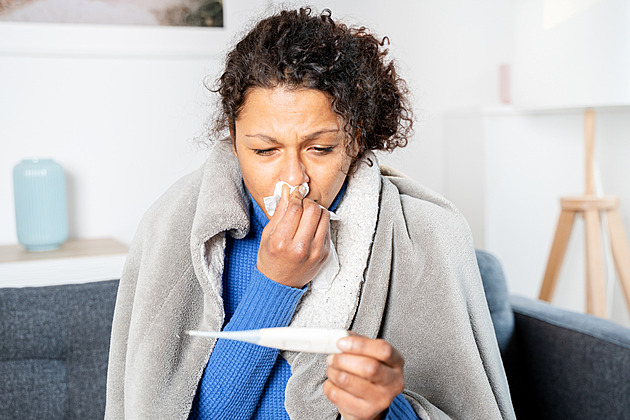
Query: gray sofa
x,y
54,345
560,365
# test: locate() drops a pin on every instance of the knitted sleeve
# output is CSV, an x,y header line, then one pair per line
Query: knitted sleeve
x,y
237,372
400,409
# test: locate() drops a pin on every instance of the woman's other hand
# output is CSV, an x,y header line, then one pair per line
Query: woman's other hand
x,y
295,242
364,379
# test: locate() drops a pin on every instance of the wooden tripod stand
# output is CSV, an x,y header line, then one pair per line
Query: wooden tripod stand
x,y
590,206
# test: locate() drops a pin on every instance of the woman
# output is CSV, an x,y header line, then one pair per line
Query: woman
x,y
305,101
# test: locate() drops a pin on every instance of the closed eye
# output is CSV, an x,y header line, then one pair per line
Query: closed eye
x,y
324,150
264,152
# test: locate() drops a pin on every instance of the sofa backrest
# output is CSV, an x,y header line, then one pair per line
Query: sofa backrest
x,y
54,347
495,286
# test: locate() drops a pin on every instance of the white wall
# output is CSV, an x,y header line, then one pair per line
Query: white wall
x,y
449,52
120,107
121,130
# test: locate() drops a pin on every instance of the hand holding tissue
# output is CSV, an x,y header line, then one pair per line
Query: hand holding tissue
x,y
271,202
288,237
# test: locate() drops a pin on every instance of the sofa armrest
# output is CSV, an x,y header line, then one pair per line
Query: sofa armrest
x,y
563,364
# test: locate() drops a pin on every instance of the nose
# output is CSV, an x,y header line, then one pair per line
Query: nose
x,y
293,170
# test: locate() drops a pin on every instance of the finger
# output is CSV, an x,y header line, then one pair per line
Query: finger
x,y
281,207
311,218
364,388
350,405
378,349
290,220
365,367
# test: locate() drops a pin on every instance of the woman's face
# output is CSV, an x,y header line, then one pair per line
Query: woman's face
x,y
291,136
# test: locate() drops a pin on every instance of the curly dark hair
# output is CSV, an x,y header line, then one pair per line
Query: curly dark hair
x,y
296,50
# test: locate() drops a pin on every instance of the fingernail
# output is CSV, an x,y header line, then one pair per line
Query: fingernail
x,y
302,190
329,359
344,344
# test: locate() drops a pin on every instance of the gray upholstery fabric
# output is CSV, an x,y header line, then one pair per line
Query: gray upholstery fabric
x,y
495,286
566,365
54,345
560,364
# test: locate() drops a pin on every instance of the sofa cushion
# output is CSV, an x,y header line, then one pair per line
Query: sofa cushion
x,y
495,287
33,389
54,346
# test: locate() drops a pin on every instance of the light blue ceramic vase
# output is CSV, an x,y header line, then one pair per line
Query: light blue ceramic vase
x,y
41,210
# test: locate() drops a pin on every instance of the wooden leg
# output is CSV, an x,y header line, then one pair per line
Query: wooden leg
x,y
620,251
595,281
560,241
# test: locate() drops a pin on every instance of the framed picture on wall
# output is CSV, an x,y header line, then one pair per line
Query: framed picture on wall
x,y
135,28
203,13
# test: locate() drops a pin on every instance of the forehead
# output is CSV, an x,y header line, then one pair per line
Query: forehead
x,y
287,104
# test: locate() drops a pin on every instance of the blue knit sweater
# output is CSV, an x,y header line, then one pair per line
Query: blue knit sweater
x,y
242,380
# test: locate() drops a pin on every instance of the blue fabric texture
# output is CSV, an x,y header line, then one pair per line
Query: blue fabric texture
x,y
400,409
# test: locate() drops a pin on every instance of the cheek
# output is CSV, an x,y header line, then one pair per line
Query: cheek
x,y
327,181
257,178
253,176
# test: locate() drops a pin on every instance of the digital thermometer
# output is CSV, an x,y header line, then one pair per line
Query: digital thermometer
x,y
309,340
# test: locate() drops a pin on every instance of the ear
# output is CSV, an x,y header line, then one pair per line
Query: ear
x,y
232,129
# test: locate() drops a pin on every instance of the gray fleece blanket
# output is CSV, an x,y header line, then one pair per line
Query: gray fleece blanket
x,y
408,275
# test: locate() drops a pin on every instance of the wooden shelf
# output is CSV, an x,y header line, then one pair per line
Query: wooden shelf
x,y
76,261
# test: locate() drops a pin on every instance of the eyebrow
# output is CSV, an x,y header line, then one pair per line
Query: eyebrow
x,y
311,136
320,132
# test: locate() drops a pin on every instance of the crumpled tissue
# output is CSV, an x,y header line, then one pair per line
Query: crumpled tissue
x,y
330,267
